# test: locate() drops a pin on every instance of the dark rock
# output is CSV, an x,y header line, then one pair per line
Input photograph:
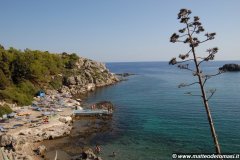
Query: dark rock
x,y
70,81
125,74
230,68
104,105
7,140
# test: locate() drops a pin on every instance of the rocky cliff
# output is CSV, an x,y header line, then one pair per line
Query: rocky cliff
x,y
86,76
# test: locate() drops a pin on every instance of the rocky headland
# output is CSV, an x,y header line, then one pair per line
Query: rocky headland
x,y
87,76
230,68
20,135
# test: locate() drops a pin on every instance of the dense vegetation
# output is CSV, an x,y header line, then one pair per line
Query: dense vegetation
x,y
23,73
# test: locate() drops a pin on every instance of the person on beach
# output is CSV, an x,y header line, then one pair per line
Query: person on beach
x,y
93,107
45,120
97,149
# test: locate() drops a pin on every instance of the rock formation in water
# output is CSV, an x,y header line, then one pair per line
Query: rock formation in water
x,y
230,67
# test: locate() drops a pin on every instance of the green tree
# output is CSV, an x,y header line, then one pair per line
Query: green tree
x,y
5,60
23,72
21,69
4,82
191,34
38,72
1,47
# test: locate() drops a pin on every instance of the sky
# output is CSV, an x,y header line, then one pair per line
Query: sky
x,y
116,30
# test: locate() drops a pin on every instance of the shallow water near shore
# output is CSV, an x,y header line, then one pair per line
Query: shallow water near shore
x,y
154,118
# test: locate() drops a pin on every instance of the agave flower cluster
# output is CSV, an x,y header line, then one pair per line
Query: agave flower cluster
x,y
189,35
212,52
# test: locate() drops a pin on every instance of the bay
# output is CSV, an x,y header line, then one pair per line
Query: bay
x,y
154,118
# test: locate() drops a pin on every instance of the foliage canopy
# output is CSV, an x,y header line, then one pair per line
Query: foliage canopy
x,y
22,73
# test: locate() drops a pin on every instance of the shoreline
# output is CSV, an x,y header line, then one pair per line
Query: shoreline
x,y
25,143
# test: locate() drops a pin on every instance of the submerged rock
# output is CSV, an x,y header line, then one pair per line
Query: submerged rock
x,y
87,154
125,74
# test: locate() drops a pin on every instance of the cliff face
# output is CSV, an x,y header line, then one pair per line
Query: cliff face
x,y
86,76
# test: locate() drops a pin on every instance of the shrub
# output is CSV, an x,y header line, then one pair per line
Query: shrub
x,y
5,109
56,83
21,94
4,82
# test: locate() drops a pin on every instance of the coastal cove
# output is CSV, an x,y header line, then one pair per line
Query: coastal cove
x,y
119,80
37,105
153,118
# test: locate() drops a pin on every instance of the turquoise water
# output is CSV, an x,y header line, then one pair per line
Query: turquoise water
x,y
154,119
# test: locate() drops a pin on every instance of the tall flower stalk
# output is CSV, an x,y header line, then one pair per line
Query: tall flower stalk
x,y
190,35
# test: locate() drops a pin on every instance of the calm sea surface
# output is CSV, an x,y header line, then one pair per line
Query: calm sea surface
x,y
154,118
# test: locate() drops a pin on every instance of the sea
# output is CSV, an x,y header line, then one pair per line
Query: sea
x,y
153,118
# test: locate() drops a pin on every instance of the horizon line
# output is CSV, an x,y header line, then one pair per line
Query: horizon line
x,y
161,61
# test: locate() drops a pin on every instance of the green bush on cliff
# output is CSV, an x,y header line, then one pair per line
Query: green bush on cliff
x,y
21,94
71,61
22,73
56,83
4,82
5,109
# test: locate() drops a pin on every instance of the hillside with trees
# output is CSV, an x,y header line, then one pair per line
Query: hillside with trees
x,y
23,73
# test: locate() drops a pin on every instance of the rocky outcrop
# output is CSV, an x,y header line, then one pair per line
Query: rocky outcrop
x,y
230,67
104,105
10,155
41,150
7,140
88,154
86,76
20,142
66,119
